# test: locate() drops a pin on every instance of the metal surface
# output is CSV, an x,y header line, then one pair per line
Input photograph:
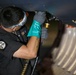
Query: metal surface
x,y
65,56
65,10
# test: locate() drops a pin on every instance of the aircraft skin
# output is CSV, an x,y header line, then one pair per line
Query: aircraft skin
x,y
64,10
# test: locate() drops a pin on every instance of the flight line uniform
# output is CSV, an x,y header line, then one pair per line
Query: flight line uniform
x,y
9,43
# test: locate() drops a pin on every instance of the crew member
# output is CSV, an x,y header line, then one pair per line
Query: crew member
x,y
14,48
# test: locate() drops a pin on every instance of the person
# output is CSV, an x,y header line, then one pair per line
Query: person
x,y
15,50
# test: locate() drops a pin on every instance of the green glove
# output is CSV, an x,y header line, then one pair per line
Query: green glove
x,y
35,29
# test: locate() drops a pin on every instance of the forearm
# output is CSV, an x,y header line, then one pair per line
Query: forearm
x,y
28,51
33,45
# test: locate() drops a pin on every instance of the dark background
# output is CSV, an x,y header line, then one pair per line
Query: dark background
x,y
64,10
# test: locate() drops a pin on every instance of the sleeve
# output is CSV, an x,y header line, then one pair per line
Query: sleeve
x,y
9,46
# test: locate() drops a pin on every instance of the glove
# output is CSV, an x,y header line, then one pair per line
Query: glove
x,y
35,29
40,17
44,33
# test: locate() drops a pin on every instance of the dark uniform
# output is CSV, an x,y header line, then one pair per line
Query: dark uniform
x,y
9,43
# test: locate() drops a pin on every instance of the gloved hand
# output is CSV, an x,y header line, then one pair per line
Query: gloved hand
x,y
40,17
38,20
44,33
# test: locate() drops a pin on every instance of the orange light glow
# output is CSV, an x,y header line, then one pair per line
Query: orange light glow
x,y
69,26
